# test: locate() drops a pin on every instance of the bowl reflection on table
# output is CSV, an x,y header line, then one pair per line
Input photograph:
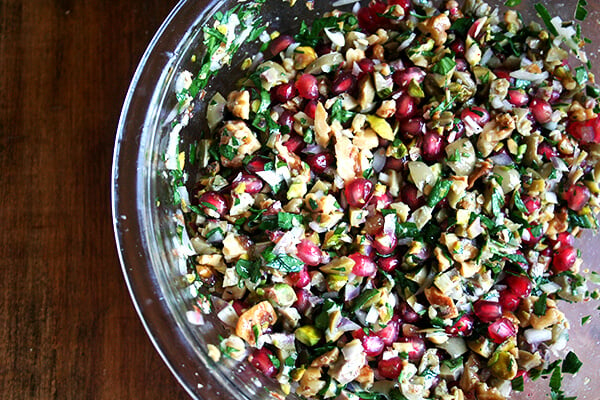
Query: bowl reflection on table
x,y
146,233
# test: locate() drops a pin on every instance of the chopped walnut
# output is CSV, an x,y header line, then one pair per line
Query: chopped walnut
x,y
444,304
387,109
436,27
237,141
255,321
239,104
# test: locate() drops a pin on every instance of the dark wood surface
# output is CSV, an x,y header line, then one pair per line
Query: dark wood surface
x,y
68,329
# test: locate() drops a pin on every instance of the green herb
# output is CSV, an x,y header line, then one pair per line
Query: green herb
x,y
485,78
282,262
311,36
585,319
539,307
516,258
439,192
368,173
571,363
247,269
363,298
580,220
209,205
214,231
462,25
338,113
444,66
444,105
546,18
288,220
517,384
519,203
227,151
580,11
512,3
536,230
274,360
256,331
581,76
592,91
497,201
407,230
313,204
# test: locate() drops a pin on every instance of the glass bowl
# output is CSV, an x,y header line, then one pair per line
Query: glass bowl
x,y
146,231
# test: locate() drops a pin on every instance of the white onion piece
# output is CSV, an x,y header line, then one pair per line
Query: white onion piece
x,y
502,159
351,292
340,3
346,325
530,76
379,160
194,317
537,335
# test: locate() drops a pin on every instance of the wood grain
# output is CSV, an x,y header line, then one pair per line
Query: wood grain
x,y
68,329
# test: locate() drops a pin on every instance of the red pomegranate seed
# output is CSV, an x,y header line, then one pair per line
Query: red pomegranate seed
x,y
261,360
363,265
286,119
529,237
487,311
252,184
418,347
541,110
504,74
257,164
311,108
366,65
564,258
302,304
519,285
405,4
299,279
295,143
323,48
406,106
406,313
478,114
308,86
345,82
461,65
501,330
318,163
565,239
309,252
239,307
385,243
404,77
283,93
390,368
213,202
432,147
381,201
546,150
409,193
585,131
389,264
509,300
389,334
462,327
373,345
518,98
458,47
577,196
413,126
532,204
358,192
279,44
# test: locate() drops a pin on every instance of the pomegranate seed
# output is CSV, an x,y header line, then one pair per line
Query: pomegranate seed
x,y
299,279
518,98
478,114
418,347
413,126
286,119
252,184
532,204
385,243
373,345
389,334
585,131
389,264
256,164
309,252
409,193
504,74
487,311
519,285
345,82
239,307
318,163
279,44
358,192
302,304
546,150
394,163
311,108
565,239
261,360
577,196
323,48
509,300
541,110
458,47
501,330
406,106
564,258
295,143
366,65
283,93
462,327
390,368
363,265
529,238
432,147
405,4
381,201
404,77
461,65
406,313
308,86
213,202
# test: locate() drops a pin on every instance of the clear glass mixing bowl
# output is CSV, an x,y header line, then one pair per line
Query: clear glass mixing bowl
x,y
145,229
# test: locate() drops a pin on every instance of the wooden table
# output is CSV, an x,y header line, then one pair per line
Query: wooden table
x,y
68,329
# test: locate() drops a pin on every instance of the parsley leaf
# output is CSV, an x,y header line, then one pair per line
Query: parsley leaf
x,y
286,220
517,384
282,262
571,364
539,307
512,3
546,17
444,66
581,12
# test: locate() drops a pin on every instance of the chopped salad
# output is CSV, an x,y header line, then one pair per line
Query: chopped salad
x,y
386,206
